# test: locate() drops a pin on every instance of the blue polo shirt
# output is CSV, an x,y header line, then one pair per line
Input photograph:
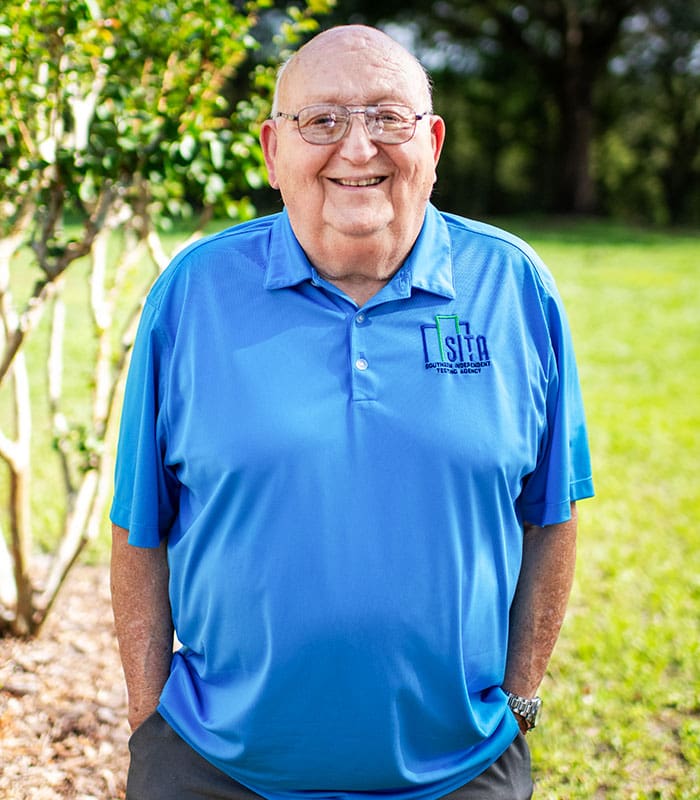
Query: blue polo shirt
x,y
343,492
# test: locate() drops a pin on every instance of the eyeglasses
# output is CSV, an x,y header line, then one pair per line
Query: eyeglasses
x,y
328,123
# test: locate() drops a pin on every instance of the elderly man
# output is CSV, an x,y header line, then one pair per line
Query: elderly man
x,y
351,447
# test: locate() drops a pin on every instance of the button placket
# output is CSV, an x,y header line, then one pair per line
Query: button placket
x,y
362,379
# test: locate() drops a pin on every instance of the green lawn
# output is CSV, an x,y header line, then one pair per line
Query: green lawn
x,y
622,697
622,713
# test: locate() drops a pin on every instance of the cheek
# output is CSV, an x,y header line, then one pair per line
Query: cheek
x,y
300,176
417,179
426,177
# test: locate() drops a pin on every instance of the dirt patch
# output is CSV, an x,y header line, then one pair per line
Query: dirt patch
x,y
63,730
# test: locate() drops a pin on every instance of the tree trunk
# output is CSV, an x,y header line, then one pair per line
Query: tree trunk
x,y
23,623
19,463
576,191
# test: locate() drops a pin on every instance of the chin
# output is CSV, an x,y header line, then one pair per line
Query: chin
x,y
368,224
361,231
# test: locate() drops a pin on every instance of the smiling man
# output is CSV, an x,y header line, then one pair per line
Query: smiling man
x,y
351,449
356,204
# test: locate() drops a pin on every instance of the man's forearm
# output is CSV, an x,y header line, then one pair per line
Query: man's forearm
x,y
539,606
143,621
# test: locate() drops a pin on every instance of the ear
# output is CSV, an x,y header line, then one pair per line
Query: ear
x,y
437,133
268,142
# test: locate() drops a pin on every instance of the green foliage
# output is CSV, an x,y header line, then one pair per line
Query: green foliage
x,y
133,96
647,160
120,119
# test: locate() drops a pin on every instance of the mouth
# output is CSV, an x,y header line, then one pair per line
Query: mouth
x,y
358,182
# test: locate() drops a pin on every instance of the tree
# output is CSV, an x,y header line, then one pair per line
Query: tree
x,y
648,156
569,44
117,117
549,54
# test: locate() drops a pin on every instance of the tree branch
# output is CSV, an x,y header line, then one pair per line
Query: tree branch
x,y
20,505
72,543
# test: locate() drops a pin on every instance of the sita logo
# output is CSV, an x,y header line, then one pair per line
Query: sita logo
x,y
450,347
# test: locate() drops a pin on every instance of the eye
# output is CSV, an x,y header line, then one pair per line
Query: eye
x,y
322,121
393,117
320,118
390,117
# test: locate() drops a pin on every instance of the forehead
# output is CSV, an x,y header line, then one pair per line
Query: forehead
x,y
353,70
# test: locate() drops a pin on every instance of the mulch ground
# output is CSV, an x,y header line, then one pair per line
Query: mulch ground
x,y
63,730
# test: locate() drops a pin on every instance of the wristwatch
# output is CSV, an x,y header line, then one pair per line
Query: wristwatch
x,y
527,708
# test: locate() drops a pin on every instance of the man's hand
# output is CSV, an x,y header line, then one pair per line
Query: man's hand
x,y
522,723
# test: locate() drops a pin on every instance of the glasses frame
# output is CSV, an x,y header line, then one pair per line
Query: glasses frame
x,y
350,110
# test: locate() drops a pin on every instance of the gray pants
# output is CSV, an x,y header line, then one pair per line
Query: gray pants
x,y
164,767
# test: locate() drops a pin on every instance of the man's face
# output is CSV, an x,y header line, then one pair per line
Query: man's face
x,y
340,196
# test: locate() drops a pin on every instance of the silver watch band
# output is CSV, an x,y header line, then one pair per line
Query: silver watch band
x,y
526,707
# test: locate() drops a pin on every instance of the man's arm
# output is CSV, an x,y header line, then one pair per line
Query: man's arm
x,y
143,621
539,606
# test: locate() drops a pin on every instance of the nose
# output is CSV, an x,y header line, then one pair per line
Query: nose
x,y
357,144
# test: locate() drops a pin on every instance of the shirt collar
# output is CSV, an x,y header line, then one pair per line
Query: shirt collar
x,y
428,266
287,264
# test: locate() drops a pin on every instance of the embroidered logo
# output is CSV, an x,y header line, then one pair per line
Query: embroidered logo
x,y
450,347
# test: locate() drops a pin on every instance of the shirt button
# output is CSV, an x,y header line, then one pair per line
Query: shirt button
x,y
361,364
360,318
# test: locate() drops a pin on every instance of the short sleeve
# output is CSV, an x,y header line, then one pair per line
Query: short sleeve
x,y
563,471
145,491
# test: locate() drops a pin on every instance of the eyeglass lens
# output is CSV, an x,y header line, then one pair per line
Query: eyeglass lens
x,y
326,124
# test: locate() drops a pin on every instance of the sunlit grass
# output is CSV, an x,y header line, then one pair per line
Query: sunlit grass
x,y
622,696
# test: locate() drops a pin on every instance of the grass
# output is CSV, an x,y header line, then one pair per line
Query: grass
x,y
622,713
622,696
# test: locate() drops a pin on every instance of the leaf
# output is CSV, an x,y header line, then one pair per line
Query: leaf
x,y
188,147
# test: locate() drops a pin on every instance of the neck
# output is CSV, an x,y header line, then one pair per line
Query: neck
x,y
359,288
359,269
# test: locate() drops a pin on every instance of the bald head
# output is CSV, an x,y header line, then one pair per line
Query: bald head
x,y
354,42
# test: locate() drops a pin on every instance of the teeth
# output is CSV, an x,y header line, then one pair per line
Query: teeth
x,y
365,182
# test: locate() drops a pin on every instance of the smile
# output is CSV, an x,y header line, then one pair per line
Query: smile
x,y
360,182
